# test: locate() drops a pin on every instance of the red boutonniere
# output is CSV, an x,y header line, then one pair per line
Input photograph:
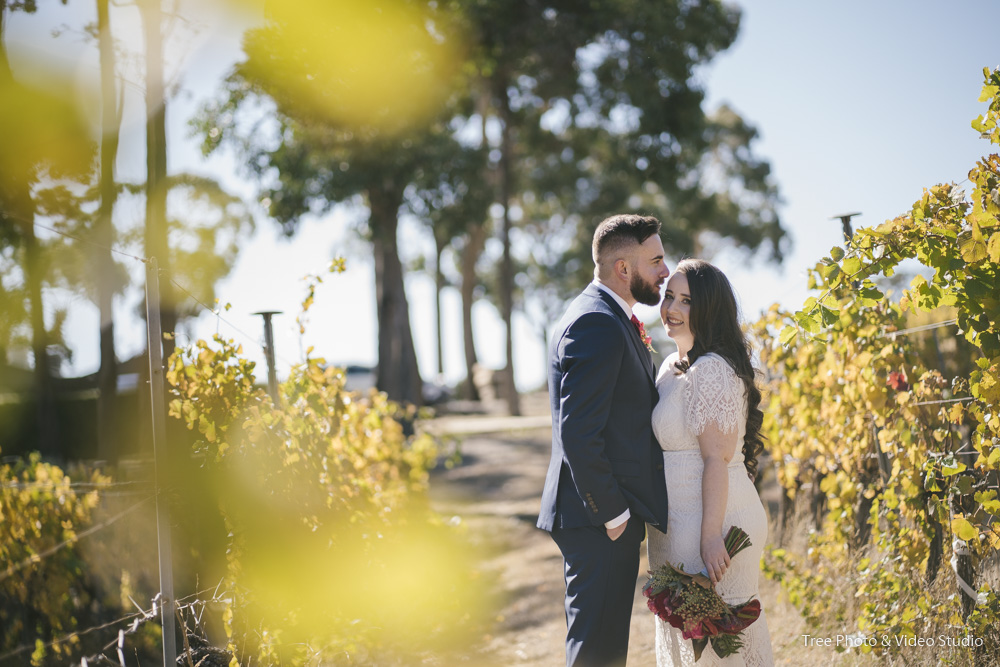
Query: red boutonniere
x,y
646,338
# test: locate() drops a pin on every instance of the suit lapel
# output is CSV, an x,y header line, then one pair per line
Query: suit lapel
x,y
633,332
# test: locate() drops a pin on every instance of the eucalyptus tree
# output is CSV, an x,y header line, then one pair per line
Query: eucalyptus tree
x,y
156,240
356,92
43,136
600,109
50,174
204,223
450,195
107,375
586,109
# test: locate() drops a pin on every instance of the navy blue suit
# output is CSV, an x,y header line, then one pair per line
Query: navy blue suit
x,y
604,459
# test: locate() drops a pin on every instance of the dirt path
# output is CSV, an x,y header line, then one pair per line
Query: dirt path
x,y
495,491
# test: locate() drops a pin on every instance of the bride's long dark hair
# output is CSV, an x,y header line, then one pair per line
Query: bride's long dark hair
x,y
714,322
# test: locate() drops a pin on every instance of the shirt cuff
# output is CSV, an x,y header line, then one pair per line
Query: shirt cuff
x,y
618,520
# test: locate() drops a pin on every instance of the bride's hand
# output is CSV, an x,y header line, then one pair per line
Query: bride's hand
x,y
715,557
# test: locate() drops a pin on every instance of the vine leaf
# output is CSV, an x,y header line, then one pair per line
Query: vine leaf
x,y
994,457
973,246
963,529
851,266
993,248
810,323
788,335
951,467
989,501
870,296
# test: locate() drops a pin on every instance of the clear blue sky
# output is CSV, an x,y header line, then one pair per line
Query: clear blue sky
x,y
859,105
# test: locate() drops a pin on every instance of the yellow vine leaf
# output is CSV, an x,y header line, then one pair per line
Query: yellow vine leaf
x,y
989,388
994,457
963,529
993,248
973,248
788,335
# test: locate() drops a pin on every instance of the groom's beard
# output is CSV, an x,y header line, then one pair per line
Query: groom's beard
x,y
643,292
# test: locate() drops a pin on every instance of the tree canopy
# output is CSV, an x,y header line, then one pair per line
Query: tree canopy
x,y
571,111
607,112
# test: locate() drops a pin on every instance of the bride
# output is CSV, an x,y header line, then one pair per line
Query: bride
x,y
708,405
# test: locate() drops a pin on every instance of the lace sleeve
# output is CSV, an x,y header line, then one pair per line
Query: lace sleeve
x,y
715,394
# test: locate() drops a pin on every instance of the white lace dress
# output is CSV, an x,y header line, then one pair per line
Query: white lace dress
x,y
710,392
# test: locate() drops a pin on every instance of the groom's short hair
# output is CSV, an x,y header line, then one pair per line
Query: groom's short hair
x,y
621,231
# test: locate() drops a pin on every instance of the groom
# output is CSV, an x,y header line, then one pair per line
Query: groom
x,y
605,478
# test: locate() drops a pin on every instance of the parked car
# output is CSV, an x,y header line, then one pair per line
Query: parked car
x,y
362,378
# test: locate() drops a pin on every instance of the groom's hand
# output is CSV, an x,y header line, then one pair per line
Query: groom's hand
x,y
616,532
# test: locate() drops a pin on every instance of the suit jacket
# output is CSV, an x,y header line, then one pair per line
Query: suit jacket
x,y
602,388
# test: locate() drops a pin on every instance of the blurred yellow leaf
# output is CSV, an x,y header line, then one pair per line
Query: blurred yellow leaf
x,y
40,129
359,64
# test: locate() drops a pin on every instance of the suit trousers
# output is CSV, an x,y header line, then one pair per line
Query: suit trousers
x,y
600,576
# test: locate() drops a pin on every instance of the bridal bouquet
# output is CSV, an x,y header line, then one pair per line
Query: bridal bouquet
x,y
689,603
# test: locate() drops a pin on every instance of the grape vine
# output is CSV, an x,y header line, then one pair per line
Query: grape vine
x,y
899,452
332,550
45,589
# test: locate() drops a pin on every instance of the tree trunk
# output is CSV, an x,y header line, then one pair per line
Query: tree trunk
x,y
16,201
506,266
156,237
786,512
963,567
397,375
936,548
107,375
475,242
45,406
862,512
439,245
817,505
543,335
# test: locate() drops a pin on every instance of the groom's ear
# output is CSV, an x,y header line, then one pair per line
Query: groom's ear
x,y
622,268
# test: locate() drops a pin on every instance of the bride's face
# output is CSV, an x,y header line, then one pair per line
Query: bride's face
x,y
675,309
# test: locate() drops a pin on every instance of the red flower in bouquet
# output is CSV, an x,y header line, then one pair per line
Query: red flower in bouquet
x,y
689,603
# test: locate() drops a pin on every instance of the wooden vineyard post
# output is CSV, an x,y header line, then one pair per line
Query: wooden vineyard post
x,y
157,394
